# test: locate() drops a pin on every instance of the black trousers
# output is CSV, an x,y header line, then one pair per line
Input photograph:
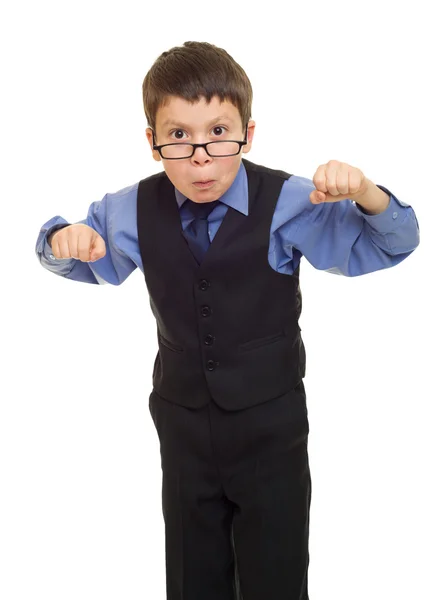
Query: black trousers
x,y
236,499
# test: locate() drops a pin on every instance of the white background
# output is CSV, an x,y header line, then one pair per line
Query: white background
x,y
80,502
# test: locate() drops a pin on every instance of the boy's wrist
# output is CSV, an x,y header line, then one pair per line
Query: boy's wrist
x,y
55,230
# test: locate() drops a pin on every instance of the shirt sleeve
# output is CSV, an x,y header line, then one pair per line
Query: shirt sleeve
x,y
339,237
113,268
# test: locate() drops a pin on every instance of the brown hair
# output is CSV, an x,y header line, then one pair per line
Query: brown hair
x,y
192,71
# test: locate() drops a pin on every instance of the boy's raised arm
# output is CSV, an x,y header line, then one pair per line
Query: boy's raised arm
x,y
112,267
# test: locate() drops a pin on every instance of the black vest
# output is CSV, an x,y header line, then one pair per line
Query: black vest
x,y
228,328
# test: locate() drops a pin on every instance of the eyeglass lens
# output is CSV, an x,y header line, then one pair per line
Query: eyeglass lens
x,y
214,149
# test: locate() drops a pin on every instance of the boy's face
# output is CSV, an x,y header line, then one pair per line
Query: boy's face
x,y
196,124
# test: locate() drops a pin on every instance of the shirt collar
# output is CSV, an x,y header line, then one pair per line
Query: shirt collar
x,y
236,196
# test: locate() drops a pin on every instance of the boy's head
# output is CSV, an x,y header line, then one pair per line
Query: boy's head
x,y
197,93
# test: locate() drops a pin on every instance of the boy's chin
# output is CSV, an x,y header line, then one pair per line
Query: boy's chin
x,y
204,196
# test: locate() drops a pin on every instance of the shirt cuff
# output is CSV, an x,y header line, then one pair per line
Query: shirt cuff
x,y
391,218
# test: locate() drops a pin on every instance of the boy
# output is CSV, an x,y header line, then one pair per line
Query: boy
x,y
228,399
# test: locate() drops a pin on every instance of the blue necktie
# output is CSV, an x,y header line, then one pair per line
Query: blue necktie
x,y
197,232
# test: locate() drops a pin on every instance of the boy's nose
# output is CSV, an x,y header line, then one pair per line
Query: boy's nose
x,y
200,155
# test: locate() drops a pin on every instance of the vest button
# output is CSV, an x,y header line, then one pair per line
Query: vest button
x,y
209,339
206,311
204,284
211,365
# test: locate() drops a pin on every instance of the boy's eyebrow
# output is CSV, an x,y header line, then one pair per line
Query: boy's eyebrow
x,y
179,124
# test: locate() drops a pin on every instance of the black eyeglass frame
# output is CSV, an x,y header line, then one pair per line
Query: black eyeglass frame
x,y
159,148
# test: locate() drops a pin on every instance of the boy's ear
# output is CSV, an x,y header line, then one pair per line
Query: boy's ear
x,y
250,135
155,154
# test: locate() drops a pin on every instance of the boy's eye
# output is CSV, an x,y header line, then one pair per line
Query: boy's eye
x,y
220,129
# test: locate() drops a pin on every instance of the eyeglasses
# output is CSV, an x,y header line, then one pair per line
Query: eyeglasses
x,y
180,150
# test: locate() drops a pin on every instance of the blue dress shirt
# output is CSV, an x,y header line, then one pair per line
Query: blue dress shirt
x,y
337,237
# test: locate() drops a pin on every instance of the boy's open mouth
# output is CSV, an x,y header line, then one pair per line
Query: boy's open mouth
x,y
203,184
